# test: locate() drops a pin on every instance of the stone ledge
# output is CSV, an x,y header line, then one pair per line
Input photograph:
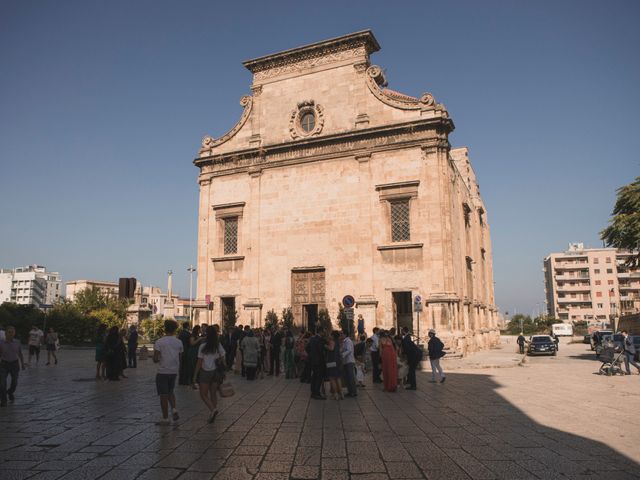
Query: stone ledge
x,y
400,246
227,259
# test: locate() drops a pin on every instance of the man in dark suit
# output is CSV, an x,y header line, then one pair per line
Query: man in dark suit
x,y
629,353
315,349
276,344
414,355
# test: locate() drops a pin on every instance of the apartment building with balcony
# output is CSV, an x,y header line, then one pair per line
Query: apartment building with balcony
x,y
590,284
30,285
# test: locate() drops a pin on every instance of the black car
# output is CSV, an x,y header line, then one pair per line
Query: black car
x,y
541,345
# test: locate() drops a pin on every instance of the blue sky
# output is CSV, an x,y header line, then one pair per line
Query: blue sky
x,y
103,106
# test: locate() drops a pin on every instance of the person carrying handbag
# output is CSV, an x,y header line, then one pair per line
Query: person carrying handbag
x,y
209,371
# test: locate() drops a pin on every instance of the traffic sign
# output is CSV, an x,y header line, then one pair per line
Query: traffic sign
x,y
348,301
417,304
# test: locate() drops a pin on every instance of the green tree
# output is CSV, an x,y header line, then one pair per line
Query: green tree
x,y
325,320
92,299
346,325
106,316
152,328
287,318
624,227
271,319
22,317
72,326
230,318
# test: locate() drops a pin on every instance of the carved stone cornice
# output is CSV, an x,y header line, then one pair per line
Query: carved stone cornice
x,y
208,143
349,144
321,53
376,82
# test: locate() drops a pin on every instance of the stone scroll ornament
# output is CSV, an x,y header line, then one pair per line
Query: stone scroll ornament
x,y
209,142
377,84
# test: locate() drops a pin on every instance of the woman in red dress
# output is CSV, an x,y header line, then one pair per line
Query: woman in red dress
x,y
389,363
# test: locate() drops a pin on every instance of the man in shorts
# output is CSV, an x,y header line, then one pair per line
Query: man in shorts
x,y
35,341
167,353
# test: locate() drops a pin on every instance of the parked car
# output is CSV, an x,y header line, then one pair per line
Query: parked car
x,y
587,339
596,338
541,345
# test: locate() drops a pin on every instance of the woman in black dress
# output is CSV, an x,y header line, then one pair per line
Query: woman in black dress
x,y
334,364
112,354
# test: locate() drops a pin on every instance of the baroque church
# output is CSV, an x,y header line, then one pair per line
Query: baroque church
x,y
332,184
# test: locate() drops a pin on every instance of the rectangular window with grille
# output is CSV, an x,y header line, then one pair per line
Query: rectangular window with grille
x,y
230,235
400,226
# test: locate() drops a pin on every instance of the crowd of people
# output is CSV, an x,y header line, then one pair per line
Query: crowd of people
x,y
115,351
332,362
12,360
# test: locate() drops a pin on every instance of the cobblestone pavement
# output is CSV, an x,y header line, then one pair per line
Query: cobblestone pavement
x,y
549,419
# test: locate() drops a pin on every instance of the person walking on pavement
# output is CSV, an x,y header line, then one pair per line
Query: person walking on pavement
x,y
276,344
10,363
375,355
413,354
436,352
389,358
167,353
250,347
347,352
36,339
52,345
289,364
317,362
184,336
629,353
521,341
209,371
132,347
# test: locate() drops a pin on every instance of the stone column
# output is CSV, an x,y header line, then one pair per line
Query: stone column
x,y
366,299
204,254
252,239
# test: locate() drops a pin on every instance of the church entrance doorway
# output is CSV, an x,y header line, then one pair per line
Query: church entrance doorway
x,y
307,294
402,311
228,308
310,317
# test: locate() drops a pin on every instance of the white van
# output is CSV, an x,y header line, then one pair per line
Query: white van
x,y
562,329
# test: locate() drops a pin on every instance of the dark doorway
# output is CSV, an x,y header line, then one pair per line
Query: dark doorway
x,y
228,309
310,317
402,310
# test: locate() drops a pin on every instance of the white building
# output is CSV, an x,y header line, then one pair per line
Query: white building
x,y
590,284
6,277
30,285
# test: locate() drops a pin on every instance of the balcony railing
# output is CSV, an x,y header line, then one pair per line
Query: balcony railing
x,y
581,277
574,300
571,265
586,287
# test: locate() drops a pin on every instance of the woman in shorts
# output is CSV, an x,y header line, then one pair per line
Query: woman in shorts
x,y
209,371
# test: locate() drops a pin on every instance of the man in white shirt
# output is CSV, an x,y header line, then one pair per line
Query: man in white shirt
x,y
375,355
349,364
167,352
35,341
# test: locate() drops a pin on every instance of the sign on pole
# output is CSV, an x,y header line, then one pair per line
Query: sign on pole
x,y
348,301
417,303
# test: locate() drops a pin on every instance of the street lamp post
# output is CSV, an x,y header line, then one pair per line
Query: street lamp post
x,y
191,270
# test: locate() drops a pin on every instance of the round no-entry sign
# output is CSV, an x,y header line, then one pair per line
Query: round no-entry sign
x,y
348,301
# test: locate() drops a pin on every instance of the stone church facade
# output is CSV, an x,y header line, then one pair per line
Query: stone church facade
x,y
331,184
